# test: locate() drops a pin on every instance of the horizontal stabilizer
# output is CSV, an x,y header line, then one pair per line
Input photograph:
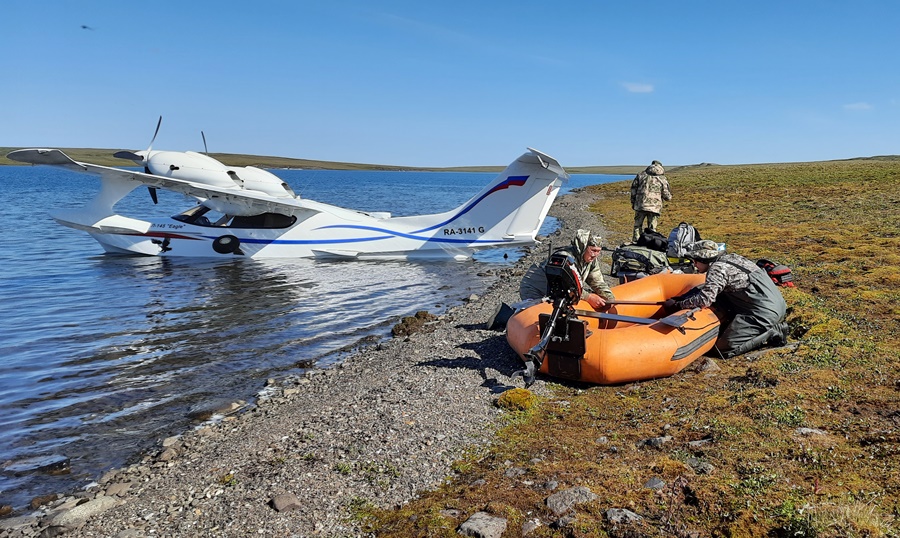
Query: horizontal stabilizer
x,y
550,163
113,224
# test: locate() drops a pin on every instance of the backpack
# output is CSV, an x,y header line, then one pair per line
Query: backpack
x,y
631,258
780,274
680,238
652,239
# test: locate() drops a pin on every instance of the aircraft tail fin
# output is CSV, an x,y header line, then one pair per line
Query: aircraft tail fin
x,y
509,211
530,216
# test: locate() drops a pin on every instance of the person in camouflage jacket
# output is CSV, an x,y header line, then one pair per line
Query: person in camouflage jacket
x,y
749,305
649,190
585,250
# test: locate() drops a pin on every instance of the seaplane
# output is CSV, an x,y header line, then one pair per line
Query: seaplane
x,y
251,212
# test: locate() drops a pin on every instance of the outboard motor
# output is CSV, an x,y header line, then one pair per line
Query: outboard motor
x,y
562,329
563,280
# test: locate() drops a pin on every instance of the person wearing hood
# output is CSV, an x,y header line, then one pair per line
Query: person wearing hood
x,y
649,190
585,250
749,305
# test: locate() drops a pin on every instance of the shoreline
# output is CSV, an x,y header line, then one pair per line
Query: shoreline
x,y
388,421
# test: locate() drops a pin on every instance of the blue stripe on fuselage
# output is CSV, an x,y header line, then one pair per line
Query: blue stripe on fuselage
x,y
511,181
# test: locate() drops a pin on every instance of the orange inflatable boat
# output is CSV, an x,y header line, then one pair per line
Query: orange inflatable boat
x,y
627,342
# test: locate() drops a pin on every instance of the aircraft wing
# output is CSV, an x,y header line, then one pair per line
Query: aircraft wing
x,y
255,202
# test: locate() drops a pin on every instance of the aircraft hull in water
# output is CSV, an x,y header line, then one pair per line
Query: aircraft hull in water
x,y
169,237
251,213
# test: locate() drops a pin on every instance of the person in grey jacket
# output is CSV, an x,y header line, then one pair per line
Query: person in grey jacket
x,y
749,305
585,250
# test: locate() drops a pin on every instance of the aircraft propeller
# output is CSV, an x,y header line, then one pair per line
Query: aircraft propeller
x,y
131,156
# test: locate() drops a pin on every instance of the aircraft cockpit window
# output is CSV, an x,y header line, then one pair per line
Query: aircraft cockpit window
x,y
203,216
264,220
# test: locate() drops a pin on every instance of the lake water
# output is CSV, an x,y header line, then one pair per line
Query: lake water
x,y
103,356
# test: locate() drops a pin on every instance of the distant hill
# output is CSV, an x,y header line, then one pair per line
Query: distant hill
x,y
105,157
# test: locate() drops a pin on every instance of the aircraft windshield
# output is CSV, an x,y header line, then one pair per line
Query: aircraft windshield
x,y
203,216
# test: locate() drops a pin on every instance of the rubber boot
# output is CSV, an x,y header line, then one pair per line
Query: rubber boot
x,y
754,343
781,338
497,322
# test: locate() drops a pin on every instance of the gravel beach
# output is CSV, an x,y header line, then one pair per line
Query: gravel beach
x,y
383,425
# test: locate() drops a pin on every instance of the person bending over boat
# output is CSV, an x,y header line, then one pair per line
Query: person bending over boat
x,y
585,250
750,307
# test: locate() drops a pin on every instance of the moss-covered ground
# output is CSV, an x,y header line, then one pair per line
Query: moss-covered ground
x,y
752,469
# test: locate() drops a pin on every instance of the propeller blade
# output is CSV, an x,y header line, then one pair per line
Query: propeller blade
x,y
205,149
152,140
131,156
153,194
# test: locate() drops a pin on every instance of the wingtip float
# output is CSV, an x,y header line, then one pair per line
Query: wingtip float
x,y
247,211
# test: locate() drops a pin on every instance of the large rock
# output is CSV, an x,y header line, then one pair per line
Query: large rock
x,y
563,501
619,516
412,324
18,524
285,501
74,518
483,525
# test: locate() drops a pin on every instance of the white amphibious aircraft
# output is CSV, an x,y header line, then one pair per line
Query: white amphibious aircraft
x,y
246,211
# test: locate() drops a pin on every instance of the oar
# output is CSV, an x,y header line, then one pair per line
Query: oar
x,y
675,320
616,301
678,320
615,317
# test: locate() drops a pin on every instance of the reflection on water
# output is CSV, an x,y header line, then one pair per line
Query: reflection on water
x,y
160,337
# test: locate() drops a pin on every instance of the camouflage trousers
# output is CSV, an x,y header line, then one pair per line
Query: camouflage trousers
x,y
639,217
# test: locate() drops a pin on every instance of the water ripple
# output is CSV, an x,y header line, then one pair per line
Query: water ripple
x,y
105,355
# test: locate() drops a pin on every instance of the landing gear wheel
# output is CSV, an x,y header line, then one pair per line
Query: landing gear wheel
x,y
226,244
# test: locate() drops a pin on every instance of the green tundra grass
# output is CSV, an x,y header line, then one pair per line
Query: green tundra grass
x,y
837,224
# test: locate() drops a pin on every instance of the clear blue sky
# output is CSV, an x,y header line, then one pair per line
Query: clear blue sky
x,y
467,82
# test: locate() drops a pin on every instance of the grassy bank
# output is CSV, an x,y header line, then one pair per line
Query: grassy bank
x,y
837,224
